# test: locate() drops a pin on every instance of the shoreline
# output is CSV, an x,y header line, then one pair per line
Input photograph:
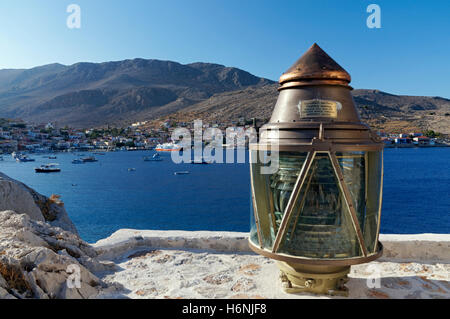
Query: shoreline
x,y
414,146
76,191
152,149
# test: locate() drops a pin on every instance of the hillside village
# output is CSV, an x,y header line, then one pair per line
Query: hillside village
x,y
19,136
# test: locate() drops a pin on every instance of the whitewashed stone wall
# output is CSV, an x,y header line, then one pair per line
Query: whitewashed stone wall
x,y
421,247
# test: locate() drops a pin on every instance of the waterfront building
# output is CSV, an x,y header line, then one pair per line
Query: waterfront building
x,y
8,146
402,140
423,140
49,126
416,134
5,134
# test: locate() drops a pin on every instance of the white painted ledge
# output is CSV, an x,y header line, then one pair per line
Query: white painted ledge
x,y
420,247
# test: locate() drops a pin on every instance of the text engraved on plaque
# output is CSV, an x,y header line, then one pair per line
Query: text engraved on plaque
x,y
318,108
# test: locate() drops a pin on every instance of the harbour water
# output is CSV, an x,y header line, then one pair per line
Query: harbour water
x,y
122,190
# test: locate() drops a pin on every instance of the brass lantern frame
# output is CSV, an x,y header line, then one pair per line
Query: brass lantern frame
x,y
319,145
315,116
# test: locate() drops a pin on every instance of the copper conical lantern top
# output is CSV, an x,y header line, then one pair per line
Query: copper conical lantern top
x,y
315,67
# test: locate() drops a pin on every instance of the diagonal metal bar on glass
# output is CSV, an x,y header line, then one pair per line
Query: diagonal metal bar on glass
x,y
255,211
255,208
302,204
272,215
380,199
293,199
348,201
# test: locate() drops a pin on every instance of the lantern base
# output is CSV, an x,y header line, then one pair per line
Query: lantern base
x,y
324,280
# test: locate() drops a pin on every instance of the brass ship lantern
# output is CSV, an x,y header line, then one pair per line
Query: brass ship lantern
x,y
319,212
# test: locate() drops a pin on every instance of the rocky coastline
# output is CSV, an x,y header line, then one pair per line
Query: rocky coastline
x,y
42,256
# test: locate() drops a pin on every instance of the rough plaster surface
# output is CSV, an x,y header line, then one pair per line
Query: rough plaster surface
x,y
180,264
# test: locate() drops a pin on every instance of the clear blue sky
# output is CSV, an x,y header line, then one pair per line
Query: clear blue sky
x,y
408,55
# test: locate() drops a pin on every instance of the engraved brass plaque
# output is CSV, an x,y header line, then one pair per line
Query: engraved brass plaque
x,y
318,108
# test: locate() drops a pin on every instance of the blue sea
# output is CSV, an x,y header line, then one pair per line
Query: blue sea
x,y
104,196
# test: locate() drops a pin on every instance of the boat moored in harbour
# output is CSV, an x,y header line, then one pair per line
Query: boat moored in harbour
x,y
48,168
24,158
181,173
200,162
155,158
89,159
168,147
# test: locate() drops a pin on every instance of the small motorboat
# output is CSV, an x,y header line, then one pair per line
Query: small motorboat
x,y
181,173
131,169
89,159
155,158
77,161
52,157
48,168
200,162
24,158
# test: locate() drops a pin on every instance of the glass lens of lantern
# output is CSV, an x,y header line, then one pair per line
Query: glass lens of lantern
x,y
272,192
373,201
253,229
261,233
353,167
362,174
320,224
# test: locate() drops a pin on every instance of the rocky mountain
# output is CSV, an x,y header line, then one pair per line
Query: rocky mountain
x,y
92,94
381,110
122,92
402,113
